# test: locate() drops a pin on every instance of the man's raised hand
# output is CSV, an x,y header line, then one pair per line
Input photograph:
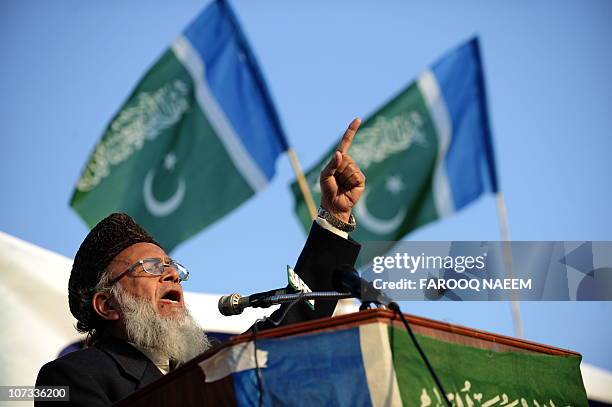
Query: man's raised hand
x,y
342,182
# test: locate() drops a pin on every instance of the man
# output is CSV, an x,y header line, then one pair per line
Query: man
x,y
125,293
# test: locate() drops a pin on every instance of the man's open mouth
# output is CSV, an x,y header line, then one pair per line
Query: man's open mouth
x,y
172,295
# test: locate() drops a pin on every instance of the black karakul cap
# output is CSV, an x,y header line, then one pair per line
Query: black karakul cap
x,y
106,240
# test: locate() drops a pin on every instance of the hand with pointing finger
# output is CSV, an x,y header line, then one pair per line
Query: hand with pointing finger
x,y
342,182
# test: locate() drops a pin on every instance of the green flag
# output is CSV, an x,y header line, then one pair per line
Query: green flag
x,y
197,137
473,375
426,154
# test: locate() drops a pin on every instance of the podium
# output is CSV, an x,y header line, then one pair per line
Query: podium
x,y
368,359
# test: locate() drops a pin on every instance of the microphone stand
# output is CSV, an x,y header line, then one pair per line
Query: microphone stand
x,y
286,298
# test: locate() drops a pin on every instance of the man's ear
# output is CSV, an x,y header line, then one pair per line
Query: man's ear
x,y
105,305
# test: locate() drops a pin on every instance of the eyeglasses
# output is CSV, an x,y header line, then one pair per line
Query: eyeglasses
x,y
155,267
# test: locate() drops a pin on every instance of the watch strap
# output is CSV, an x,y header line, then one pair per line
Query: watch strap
x,y
337,223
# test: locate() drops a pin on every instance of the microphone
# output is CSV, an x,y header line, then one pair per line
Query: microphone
x,y
235,303
346,279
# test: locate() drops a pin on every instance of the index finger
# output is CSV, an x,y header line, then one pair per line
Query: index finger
x,y
347,138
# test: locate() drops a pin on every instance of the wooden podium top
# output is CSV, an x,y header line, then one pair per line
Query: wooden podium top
x,y
420,325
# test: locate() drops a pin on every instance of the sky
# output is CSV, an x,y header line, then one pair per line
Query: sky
x,y
68,65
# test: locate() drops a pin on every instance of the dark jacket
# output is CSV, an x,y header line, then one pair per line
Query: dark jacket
x,y
99,375
113,369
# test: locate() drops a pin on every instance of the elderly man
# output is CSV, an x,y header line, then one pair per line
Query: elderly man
x,y
126,294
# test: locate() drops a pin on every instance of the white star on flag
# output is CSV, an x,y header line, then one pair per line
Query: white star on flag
x,y
394,184
169,161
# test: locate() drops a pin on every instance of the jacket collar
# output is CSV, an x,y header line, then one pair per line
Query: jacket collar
x,y
130,360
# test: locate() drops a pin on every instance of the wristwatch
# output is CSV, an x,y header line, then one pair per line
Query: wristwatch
x,y
337,223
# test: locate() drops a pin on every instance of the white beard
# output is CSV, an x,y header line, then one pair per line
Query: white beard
x,y
177,337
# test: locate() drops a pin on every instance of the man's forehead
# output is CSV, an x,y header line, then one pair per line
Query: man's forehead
x,y
137,252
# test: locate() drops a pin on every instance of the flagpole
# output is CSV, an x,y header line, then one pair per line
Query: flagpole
x,y
297,169
507,256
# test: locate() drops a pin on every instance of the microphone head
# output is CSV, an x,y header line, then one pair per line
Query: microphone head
x,y
345,279
228,305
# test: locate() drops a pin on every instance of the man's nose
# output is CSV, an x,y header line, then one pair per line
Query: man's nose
x,y
170,274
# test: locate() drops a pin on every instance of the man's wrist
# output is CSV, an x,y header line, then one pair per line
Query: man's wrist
x,y
343,216
344,223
